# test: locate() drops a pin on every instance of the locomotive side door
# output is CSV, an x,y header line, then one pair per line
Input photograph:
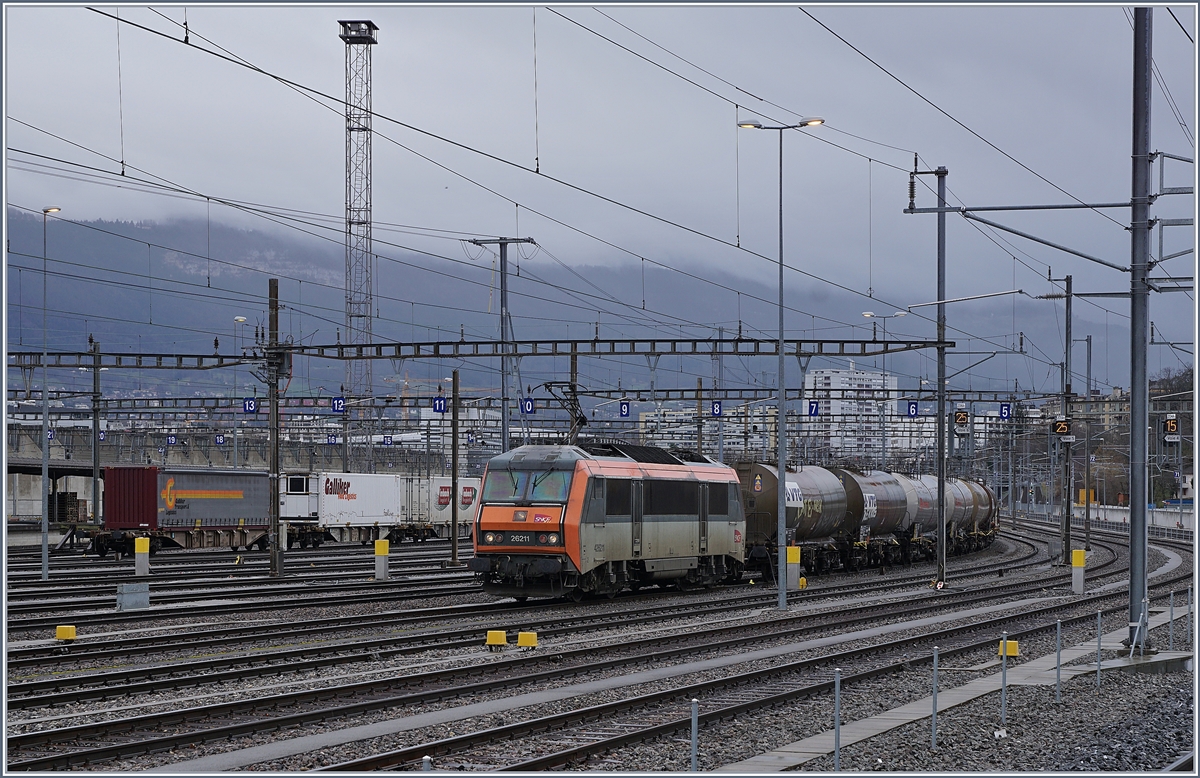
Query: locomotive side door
x,y
703,511
636,516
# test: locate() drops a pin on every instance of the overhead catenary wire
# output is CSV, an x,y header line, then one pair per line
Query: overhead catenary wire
x,y
945,113
819,279
295,85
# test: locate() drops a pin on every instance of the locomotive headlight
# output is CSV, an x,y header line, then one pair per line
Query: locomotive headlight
x,y
489,537
542,538
553,539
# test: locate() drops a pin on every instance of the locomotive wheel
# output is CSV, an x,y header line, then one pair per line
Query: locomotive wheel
x,y
101,550
576,595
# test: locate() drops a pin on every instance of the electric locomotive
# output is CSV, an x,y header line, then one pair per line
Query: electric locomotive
x,y
602,517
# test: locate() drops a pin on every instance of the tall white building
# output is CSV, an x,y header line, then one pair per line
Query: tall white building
x,y
853,410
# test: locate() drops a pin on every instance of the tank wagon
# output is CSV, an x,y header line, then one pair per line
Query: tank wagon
x,y
599,518
177,508
842,518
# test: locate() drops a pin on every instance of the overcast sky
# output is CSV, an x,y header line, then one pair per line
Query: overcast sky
x,y
627,147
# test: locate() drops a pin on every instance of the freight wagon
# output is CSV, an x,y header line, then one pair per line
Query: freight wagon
x,y
350,507
177,508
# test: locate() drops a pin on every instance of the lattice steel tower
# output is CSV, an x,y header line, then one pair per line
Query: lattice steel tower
x,y
359,37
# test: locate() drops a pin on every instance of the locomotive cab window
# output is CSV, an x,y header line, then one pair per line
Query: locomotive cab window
x,y
297,484
550,486
517,486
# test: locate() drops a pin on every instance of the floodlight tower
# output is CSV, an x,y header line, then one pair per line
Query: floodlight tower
x,y
359,37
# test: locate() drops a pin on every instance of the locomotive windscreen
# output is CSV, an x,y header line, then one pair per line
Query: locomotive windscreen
x,y
515,486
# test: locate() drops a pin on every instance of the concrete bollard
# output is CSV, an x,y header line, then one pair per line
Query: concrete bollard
x,y
1078,563
141,556
133,596
426,764
381,560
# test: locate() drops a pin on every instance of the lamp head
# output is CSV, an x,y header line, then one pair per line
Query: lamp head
x,y
900,313
869,314
51,209
750,124
810,121
240,319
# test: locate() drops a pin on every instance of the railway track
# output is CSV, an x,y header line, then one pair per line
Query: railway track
x,y
566,663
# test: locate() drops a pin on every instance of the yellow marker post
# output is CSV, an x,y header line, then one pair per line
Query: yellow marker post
x,y
381,560
793,569
64,632
497,639
1078,564
1008,648
527,640
141,556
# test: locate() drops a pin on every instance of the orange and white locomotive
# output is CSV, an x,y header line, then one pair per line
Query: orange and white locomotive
x,y
600,518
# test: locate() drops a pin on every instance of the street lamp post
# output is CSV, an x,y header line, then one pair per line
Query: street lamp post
x,y
781,409
887,395
45,412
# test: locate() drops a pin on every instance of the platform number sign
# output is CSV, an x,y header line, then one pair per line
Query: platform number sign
x,y
49,434
249,405
331,439
338,405
101,436
439,404
961,418
716,407
162,450
387,440
171,440
624,409
814,408
470,438
528,406
1006,411
913,410
220,440
1061,426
